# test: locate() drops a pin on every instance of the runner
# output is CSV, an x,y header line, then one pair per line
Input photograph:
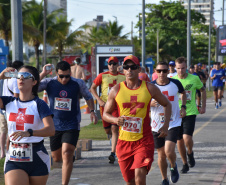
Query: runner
x,y
190,83
217,75
107,80
172,71
166,145
64,92
29,120
143,75
135,147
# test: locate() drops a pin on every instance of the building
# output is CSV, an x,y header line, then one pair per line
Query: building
x,y
97,22
57,4
202,6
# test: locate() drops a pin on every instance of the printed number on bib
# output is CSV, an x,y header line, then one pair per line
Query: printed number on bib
x,y
20,152
162,118
188,95
62,104
132,124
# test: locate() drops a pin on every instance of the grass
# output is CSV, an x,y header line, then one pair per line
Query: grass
x,y
2,171
95,132
209,94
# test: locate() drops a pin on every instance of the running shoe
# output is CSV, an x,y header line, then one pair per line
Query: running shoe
x,y
174,174
216,106
185,168
220,104
165,182
191,159
111,158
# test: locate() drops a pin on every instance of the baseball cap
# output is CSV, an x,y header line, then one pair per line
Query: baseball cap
x,y
172,63
199,64
134,59
114,59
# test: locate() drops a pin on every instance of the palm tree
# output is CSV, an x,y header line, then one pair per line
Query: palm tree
x,y
61,38
33,17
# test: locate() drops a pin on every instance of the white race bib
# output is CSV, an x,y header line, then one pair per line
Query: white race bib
x,y
20,152
188,95
132,124
162,118
62,104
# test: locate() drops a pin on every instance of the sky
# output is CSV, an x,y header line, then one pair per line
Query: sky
x,y
125,11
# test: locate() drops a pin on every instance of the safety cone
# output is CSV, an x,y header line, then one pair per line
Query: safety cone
x,y
45,96
87,111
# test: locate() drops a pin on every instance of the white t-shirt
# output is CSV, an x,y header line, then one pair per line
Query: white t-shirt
x,y
10,84
170,75
171,91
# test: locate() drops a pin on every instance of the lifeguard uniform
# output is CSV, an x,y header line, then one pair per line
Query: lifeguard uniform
x,y
107,80
28,154
135,146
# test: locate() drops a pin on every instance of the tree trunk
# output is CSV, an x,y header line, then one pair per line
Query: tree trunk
x,y
37,56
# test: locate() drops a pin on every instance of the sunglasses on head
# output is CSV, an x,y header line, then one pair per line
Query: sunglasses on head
x,y
25,75
161,70
112,63
132,67
64,76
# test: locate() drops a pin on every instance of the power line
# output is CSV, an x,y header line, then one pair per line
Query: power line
x,y
105,3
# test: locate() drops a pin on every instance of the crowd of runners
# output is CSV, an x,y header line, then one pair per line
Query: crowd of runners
x,y
174,98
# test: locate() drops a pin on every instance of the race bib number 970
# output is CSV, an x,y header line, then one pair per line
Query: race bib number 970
x,y
20,152
132,124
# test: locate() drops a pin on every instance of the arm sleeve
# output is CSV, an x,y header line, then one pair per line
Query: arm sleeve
x,y
43,109
43,84
98,80
7,99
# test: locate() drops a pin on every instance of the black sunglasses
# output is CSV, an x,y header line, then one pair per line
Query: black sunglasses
x,y
64,76
161,70
112,63
132,67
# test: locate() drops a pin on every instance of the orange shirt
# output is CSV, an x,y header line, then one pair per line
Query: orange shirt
x,y
134,104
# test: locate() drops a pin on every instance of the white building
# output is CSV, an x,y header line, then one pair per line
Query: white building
x,y
202,6
57,4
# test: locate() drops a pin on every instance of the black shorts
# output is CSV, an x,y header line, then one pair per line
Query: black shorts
x,y
216,88
187,126
67,136
40,166
198,93
171,136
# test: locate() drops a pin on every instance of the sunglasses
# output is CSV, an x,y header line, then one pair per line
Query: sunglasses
x,y
112,63
132,67
161,70
25,75
64,76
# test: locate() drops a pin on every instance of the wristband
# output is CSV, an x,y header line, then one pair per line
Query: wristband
x,y
30,132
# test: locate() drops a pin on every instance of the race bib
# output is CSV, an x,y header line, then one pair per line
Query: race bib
x,y
162,118
188,95
132,124
62,104
20,152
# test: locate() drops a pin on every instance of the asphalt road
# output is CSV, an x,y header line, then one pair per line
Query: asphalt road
x,y
209,151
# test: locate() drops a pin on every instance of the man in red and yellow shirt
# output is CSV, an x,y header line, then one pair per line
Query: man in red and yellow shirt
x,y
135,147
107,80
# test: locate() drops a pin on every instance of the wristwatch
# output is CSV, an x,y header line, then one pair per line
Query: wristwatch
x,y
183,106
30,132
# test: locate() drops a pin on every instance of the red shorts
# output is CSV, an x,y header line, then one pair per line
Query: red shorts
x,y
106,124
135,154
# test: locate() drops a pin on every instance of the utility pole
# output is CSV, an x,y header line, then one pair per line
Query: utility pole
x,y
209,48
17,30
143,33
132,32
44,33
157,45
189,34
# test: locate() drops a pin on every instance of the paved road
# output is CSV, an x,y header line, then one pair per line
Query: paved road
x,y
209,149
